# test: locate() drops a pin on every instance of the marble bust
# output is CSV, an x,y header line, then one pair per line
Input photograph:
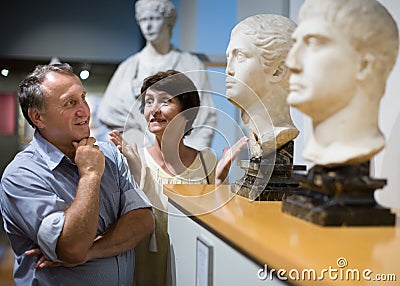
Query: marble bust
x,y
342,55
257,80
119,108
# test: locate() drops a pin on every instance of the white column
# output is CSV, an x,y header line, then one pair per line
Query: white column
x,y
246,8
188,28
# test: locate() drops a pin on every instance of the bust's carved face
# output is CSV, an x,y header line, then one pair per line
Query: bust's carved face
x,y
323,67
245,71
152,24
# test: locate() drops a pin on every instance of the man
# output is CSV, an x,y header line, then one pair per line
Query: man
x,y
257,80
67,195
119,108
343,53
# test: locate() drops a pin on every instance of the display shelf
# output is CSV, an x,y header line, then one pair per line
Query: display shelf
x,y
260,231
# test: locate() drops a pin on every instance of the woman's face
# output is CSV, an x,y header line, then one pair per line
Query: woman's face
x,y
160,109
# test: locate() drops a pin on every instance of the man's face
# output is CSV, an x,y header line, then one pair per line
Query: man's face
x,y
152,25
323,67
245,71
67,113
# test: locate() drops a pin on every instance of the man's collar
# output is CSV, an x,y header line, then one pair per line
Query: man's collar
x,y
50,153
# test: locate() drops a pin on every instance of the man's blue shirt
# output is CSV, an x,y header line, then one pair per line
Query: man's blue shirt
x,y
36,189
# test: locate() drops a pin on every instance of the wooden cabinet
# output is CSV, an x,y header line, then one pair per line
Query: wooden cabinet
x,y
247,235
228,265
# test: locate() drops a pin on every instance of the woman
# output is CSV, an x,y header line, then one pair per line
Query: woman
x,y
170,103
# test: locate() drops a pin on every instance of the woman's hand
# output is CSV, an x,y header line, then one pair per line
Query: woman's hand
x,y
131,153
228,155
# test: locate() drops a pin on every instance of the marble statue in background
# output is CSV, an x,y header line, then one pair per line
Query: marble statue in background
x,y
257,80
342,55
156,19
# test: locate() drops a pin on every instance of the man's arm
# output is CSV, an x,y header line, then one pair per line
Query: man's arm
x,y
81,218
135,222
124,235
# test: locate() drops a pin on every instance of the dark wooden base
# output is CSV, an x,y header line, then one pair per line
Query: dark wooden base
x,y
269,178
275,190
338,196
324,210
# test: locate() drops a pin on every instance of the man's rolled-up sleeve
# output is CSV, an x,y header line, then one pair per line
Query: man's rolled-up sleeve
x,y
49,231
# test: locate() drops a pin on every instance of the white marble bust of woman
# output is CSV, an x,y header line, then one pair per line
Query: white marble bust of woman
x,y
257,80
342,54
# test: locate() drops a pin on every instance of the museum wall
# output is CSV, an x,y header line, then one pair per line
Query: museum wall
x,y
96,34
88,30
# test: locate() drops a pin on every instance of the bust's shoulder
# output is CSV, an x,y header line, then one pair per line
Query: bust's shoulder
x,y
130,60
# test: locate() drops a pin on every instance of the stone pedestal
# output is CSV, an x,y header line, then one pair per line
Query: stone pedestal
x,y
338,196
269,178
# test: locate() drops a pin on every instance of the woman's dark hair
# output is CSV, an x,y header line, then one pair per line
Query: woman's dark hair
x,y
179,86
